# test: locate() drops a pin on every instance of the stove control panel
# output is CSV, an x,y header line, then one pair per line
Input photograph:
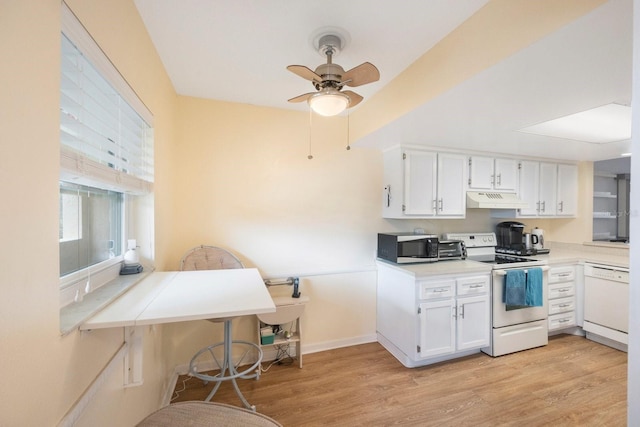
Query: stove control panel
x,y
473,240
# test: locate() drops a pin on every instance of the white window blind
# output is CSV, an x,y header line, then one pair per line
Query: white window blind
x,y
105,141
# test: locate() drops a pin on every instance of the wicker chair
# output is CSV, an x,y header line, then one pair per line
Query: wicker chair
x,y
206,414
214,258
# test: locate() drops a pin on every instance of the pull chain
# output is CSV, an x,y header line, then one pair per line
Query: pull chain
x,y
310,123
348,132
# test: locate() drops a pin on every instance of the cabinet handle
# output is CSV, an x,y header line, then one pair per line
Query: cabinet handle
x,y
476,286
441,205
499,179
544,206
564,290
462,311
538,206
564,305
561,206
441,290
563,320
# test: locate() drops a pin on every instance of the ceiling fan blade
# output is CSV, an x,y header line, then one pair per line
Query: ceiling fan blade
x,y
302,98
304,72
361,75
354,98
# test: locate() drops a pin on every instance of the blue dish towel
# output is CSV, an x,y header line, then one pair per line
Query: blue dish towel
x,y
534,287
514,288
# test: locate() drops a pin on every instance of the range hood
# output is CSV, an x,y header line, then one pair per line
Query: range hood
x,y
487,200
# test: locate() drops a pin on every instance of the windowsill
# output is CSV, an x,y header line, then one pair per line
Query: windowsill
x,y
72,315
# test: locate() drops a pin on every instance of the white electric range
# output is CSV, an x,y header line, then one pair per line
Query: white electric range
x,y
512,328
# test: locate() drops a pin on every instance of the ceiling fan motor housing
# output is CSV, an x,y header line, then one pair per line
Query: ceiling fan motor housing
x,y
329,45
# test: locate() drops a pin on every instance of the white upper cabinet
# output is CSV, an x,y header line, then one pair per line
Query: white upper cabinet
x,y
550,189
487,173
529,187
424,184
506,171
452,197
567,199
420,182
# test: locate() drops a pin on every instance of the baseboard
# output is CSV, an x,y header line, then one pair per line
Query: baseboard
x,y
331,345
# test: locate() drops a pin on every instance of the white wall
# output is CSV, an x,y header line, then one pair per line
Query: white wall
x,y
633,383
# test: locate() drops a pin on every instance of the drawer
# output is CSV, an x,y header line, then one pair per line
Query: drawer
x,y
560,290
434,290
562,305
562,320
562,274
473,285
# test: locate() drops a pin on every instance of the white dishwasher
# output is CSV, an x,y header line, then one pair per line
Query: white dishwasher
x,y
606,305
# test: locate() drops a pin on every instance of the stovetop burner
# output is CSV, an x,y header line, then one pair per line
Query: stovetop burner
x,y
521,252
506,259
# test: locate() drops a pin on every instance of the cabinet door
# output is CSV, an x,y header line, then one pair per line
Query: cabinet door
x,y
528,187
481,175
506,174
548,189
420,183
437,328
473,322
452,182
567,190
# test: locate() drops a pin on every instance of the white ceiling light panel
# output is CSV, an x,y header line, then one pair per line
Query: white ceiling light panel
x,y
608,123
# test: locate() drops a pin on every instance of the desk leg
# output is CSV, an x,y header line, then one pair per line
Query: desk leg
x,y
228,365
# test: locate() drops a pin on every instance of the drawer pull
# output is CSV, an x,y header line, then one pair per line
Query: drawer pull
x,y
441,290
563,320
476,286
564,290
564,305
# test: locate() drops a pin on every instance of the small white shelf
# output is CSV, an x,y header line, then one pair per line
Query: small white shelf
x,y
604,215
605,195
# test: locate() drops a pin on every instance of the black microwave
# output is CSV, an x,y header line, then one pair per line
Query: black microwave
x,y
405,248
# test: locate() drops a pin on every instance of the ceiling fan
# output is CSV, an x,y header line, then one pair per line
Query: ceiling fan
x,y
330,78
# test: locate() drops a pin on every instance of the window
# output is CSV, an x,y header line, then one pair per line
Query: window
x,y
90,226
106,160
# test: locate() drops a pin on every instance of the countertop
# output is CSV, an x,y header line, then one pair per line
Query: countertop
x,y
439,267
616,255
560,253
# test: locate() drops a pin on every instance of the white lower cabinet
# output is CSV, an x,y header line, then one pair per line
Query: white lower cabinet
x,y
562,298
423,320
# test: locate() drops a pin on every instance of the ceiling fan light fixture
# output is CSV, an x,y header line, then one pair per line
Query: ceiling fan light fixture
x,y
329,103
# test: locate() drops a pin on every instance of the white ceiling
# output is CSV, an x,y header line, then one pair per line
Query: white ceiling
x,y
238,50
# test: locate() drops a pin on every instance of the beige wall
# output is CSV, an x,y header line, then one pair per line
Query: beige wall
x,y
226,174
43,374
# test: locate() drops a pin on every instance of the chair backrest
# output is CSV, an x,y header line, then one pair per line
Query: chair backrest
x,y
209,258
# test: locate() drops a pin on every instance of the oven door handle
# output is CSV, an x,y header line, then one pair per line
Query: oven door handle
x,y
504,272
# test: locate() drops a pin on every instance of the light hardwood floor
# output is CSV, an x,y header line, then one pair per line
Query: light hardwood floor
x,y
570,382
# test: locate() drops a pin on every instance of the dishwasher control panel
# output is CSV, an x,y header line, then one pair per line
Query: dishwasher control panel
x,y
607,273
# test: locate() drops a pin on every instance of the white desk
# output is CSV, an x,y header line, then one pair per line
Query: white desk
x,y
177,296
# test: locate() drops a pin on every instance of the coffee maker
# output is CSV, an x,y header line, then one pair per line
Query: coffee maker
x,y
510,236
